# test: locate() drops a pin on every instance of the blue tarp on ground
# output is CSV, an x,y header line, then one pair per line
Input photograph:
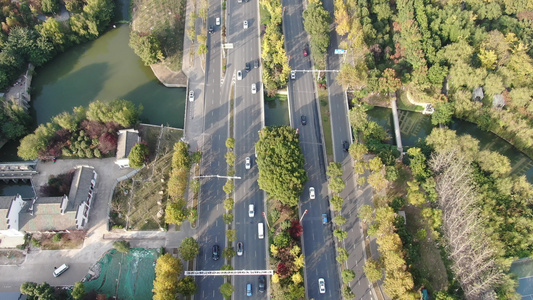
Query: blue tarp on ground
x,y
126,276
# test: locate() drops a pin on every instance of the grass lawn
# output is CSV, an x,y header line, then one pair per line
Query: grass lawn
x,y
165,19
326,123
404,104
280,97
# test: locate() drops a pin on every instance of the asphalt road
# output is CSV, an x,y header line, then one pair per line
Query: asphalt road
x,y
318,243
247,123
211,228
353,197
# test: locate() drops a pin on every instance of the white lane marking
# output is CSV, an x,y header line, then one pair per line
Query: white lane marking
x,y
216,223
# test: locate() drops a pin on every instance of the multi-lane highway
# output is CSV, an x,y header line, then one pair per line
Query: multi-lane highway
x,y
211,229
353,198
318,243
247,123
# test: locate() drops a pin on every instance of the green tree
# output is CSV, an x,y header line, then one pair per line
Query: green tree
x,y
189,248
193,215
229,252
493,162
280,161
296,291
122,246
375,164
230,158
334,170
339,220
229,203
231,234
229,187
347,275
359,120
316,23
347,293
342,255
336,184
226,289
123,112
357,151
389,83
336,203
138,155
187,286
167,270
443,114
147,47
340,234
230,143
417,162
228,218
49,6
373,270
33,144
175,213
78,292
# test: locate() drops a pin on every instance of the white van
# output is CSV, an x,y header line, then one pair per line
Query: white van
x,y
60,270
260,230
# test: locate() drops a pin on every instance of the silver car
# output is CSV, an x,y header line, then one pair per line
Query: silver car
x,y
321,286
240,249
254,89
239,75
247,163
191,96
245,24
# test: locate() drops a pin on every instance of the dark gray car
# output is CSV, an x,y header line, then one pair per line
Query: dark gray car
x,y
216,252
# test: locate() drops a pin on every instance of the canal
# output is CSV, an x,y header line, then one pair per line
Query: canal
x,y
415,126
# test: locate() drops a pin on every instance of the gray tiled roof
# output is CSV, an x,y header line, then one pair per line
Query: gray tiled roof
x,y
79,190
126,140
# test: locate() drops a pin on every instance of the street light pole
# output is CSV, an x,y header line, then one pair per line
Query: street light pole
x,y
303,216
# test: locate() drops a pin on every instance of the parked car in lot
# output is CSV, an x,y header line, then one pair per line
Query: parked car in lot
x,y
191,96
312,193
245,24
321,285
239,75
216,252
345,146
261,283
247,164
254,89
240,249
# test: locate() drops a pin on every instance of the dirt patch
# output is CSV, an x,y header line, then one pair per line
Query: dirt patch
x,y
57,241
11,257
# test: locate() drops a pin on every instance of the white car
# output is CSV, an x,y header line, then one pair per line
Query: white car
x,y
254,90
321,286
247,163
293,74
245,24
191,96
312,193
217,21
239,75
251,211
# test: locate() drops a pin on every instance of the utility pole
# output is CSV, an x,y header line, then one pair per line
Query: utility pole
x,y
216,176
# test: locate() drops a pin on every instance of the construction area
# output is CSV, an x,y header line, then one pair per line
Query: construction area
x,y
124,275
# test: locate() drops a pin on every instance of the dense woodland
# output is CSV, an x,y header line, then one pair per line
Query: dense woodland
x,y
26,38
440,51
86,132
470,204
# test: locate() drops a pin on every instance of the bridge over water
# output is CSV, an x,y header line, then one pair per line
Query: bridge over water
x,y
15,171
